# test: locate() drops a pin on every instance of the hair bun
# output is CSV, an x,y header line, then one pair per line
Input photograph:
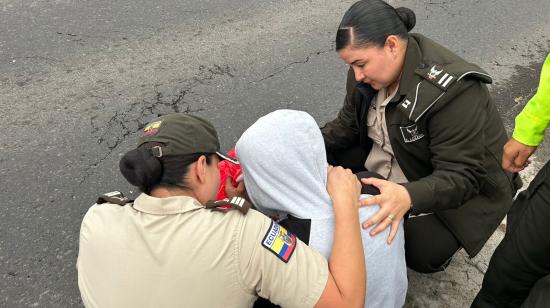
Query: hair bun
x,y
141,168
407,16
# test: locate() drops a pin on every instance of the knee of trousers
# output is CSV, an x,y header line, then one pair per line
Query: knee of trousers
x,y
423,262
503,274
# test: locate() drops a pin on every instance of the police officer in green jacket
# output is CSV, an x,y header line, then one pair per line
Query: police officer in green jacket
x,y
519,270
422,117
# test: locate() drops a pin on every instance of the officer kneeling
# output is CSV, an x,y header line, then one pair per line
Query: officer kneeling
x,y
173,247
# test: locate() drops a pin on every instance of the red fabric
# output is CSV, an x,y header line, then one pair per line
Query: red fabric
x,y
228,169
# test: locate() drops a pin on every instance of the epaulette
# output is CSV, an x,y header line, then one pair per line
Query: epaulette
x,y
437,76
238,203
444,76
115,197
436,81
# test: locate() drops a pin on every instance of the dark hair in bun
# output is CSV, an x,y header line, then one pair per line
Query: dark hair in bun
x,y
370,22
141,168
145,171
407,16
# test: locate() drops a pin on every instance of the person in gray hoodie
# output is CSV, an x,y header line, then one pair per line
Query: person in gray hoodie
x,y
284,166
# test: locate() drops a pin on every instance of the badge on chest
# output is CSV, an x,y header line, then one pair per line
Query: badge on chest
x,y
411,133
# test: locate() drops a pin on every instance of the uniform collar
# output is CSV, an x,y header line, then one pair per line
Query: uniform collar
x,y
412,62
166,206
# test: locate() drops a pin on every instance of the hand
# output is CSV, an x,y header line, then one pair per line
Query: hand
x,y
343,186
394,201
232,191
515,155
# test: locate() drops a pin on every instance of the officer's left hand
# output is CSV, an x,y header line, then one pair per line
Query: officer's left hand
x,y
394,201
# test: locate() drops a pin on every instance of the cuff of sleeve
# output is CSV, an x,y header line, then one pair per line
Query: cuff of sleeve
x,y
529,129
421,196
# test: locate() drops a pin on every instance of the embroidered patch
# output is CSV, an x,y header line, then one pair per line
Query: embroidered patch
x,y
280,242
410,133
151,128
434,72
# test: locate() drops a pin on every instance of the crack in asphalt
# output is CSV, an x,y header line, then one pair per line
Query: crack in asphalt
x,y
131,119
79,37
282,69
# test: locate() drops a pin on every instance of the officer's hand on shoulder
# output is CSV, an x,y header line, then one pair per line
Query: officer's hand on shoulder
x,y
394,201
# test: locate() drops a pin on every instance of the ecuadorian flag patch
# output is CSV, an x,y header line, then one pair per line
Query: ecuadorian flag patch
x,y
279,241
151,128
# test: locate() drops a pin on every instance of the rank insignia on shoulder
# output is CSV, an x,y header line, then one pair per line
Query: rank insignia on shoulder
x,y
434,72
115,197
280,242
238,203
438,76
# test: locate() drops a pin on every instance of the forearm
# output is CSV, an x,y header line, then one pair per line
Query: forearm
x,y
535,117
347,263
441,192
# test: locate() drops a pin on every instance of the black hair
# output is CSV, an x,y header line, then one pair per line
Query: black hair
x,y
145,171
370,22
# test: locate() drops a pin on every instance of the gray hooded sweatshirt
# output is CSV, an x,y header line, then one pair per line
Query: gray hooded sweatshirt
x,y
285,173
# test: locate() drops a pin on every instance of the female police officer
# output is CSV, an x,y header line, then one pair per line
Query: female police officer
x,y
421,116
168,249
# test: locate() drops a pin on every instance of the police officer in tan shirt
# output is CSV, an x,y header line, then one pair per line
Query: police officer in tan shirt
x,y
173,247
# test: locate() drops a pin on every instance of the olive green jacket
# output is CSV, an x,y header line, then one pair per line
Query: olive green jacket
x,y
447,137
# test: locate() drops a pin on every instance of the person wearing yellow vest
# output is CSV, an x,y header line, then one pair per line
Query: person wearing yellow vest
x,y
519,270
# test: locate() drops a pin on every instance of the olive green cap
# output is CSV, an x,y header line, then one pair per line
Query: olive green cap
x,y
182,134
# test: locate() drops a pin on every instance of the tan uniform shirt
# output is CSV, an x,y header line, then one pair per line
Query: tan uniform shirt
x,y
172,252
381,159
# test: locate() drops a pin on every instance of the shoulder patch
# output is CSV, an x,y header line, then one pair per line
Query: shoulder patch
x,y
280,242
437,76
224,205
151,128
436,80
115,197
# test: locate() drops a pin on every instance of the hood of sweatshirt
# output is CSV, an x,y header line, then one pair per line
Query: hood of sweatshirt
x,y
285,166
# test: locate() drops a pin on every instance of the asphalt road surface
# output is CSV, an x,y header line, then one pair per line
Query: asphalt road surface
x,y
78,79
